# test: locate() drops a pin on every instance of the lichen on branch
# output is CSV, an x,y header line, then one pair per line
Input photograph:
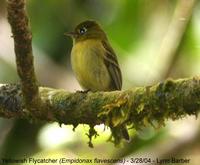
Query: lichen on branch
x,y
137,107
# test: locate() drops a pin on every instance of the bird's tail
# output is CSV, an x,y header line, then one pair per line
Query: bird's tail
x,y
125,133
119,133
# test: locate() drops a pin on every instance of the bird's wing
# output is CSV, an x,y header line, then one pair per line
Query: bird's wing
x,y
110,60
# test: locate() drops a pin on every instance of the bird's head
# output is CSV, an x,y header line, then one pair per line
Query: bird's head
x,y
87,30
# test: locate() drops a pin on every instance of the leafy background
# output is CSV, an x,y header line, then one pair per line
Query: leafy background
x,y
138,31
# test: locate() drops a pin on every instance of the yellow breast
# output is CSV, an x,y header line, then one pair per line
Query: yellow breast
x,y
88,65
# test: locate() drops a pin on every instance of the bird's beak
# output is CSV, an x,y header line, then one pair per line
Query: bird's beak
x,y
71,34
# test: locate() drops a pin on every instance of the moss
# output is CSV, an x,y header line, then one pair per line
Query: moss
x,y
10,97
92,133
137,107
115,115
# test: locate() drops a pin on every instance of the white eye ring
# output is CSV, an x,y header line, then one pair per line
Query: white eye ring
x,y
82,30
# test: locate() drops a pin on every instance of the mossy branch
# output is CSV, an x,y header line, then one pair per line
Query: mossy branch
x,y
18,20
138,107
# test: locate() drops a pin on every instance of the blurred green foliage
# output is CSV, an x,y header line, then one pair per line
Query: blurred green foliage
x,y
126,22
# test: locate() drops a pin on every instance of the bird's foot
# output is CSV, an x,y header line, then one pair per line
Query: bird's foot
x,y
84,91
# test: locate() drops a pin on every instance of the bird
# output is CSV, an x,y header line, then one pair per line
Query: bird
x,y
94,61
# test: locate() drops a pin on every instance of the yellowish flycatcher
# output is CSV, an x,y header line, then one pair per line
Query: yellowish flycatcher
x,y
94,61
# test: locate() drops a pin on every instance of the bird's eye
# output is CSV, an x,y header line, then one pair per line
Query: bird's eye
x,y
82,30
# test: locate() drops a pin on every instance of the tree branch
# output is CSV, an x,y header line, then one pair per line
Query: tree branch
x,y
23,50
172,99
173,38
